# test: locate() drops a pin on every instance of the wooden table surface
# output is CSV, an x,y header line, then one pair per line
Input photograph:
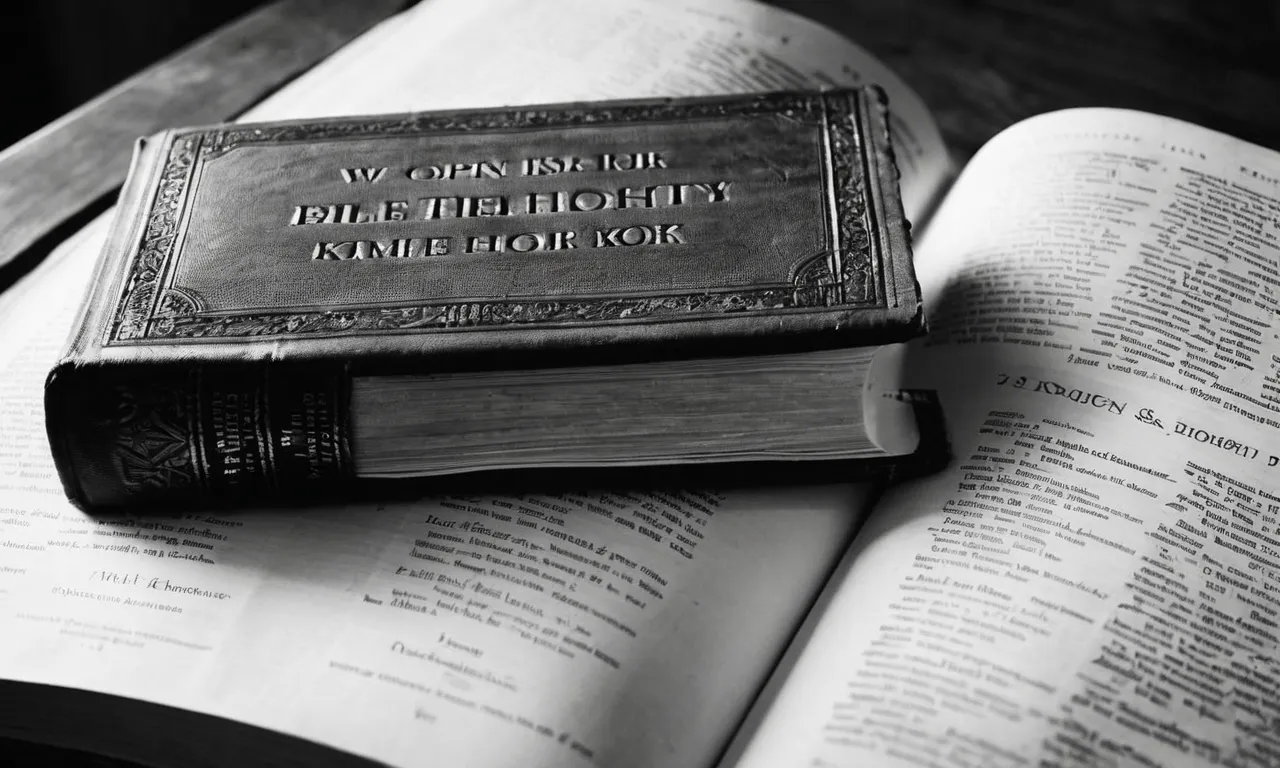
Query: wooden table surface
x,y
981,65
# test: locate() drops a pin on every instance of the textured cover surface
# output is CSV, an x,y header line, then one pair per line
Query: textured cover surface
x,y
538,235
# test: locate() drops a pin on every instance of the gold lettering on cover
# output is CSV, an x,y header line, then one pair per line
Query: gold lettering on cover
x,y
656,234
590,200
396,248
394,210
522,243
636,198
367,175
349,213
546,202
548,166
608,161
462,207
480,169
656,196
632,161
585,199
716,193
314,214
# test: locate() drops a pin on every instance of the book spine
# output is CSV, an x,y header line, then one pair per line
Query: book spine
x,y
202,435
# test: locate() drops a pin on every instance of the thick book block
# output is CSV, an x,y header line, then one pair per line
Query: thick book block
x,y
254,270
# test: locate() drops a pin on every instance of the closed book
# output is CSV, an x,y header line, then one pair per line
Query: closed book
x,y
284,307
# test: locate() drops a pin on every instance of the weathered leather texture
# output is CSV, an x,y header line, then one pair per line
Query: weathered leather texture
x,y
249,261
161,435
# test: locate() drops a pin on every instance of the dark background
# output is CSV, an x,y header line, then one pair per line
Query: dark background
x,y
980,65
61,53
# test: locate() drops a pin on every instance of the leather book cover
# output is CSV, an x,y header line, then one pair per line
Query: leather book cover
x,y
253,268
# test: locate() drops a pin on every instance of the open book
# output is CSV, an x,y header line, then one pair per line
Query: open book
x,y
1095,580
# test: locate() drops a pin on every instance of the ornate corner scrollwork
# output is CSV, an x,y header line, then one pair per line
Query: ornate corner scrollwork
x,y
174,303
179,302
814,282
146,274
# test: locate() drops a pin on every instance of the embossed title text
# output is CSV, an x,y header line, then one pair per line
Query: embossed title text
x,y
571,199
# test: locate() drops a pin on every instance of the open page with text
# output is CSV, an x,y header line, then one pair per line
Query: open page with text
x,y
606,626
1096,577
611,626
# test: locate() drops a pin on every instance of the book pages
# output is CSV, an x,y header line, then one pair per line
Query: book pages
x,y
1096,578
406,632
629,628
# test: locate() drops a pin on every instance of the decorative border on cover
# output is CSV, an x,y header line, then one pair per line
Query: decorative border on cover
x,y
848,275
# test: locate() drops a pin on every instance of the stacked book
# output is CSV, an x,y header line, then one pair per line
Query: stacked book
x,y
1095,579
284,308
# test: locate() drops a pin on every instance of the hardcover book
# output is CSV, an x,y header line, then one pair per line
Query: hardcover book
x,y
289,303
1092,580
